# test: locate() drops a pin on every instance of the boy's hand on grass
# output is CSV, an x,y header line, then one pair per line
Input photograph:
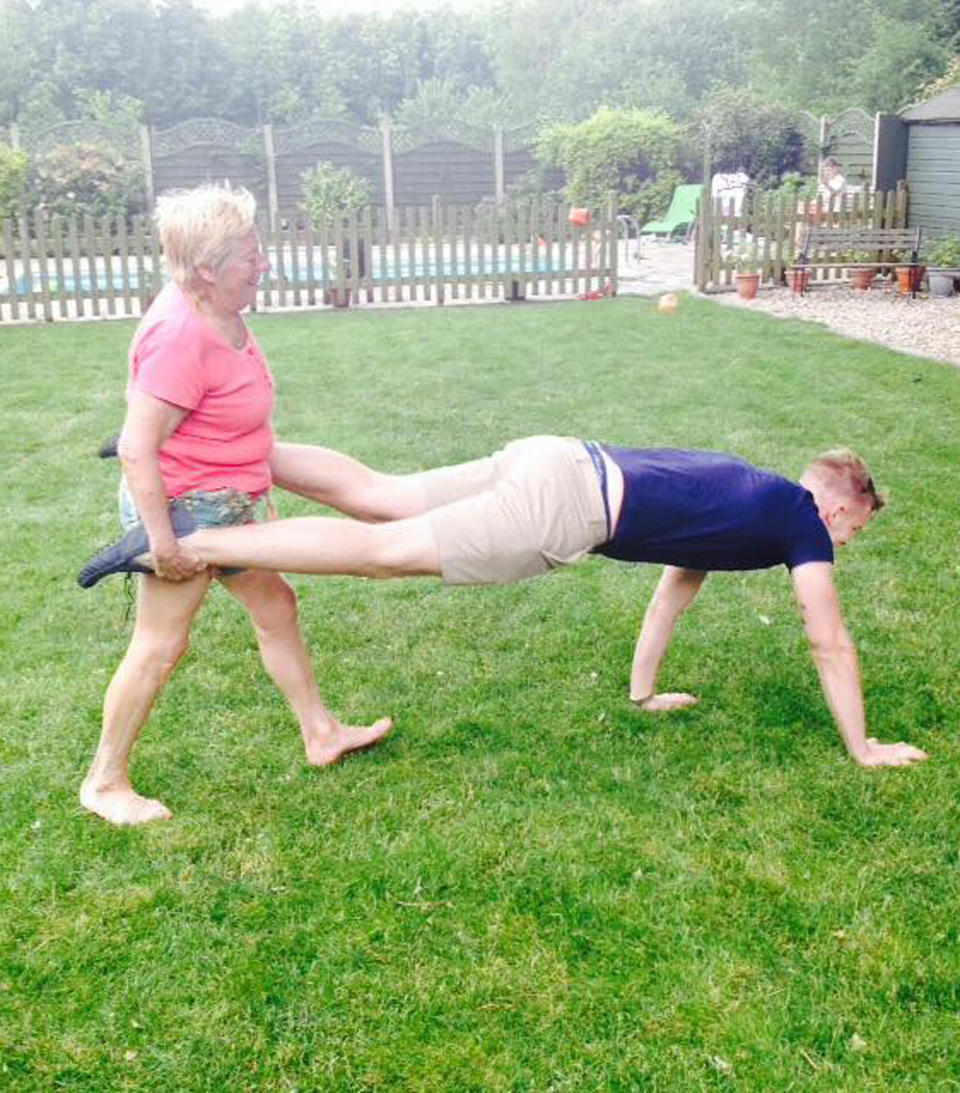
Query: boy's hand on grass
x,y
668,700
889,755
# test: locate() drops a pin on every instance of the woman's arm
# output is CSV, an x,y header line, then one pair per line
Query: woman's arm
x,y
148,423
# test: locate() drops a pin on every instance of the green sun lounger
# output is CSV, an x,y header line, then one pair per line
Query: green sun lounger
x,y
682,212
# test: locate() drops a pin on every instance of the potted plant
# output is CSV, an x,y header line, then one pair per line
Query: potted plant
x,y
908,276
862,274
330,195
747,265
798,278
943,256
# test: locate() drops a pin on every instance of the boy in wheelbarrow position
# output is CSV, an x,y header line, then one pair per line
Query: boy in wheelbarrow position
x,y
545,502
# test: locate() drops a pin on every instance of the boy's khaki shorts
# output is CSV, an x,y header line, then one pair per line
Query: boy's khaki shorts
x,y
529,508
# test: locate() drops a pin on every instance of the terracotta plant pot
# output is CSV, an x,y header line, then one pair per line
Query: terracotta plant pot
x,y
747,284
909,278
337,298
798,279
861,277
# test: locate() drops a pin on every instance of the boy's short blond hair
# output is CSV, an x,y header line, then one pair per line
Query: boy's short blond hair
x,y
843,473
201,228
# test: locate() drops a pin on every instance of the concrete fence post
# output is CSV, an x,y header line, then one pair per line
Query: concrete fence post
x,y
273,198
386,143
146,154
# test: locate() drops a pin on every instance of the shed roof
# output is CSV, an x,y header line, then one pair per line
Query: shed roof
x,y
942,107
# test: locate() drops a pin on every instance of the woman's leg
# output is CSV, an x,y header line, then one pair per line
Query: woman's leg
x,y
165,610
322,544
272,606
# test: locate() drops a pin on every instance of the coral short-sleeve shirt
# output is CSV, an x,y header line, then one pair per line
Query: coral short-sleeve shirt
x,y
226,438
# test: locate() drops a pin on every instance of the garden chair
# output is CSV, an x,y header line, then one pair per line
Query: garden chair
x,y
679,218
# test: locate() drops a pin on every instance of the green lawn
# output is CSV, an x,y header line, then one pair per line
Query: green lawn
x,y
530,887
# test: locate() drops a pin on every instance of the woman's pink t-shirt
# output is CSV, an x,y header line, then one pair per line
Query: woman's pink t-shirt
x,y
226,438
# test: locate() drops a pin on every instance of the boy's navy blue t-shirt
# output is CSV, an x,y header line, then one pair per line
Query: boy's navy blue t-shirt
x,y
706,510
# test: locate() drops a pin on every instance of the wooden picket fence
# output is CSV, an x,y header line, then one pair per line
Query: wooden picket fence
x,y
772,226
62,268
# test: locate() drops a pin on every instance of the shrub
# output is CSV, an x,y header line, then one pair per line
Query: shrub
x,y
652,198
943,253
330,191
619,150
13,176
793,187
85,179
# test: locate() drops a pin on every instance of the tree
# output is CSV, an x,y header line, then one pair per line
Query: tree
x,y
746,131
902,58
440,100
282,64
825,57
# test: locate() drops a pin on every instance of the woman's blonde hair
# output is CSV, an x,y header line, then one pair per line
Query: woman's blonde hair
x,y
201,227
843,473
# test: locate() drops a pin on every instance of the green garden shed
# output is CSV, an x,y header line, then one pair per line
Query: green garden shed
x,y
932,162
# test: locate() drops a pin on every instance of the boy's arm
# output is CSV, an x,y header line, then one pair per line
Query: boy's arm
x,y
837,665
675,591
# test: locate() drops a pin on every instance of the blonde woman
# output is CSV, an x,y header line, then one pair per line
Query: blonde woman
x,y
198,431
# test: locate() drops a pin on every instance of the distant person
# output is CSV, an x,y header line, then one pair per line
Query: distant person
x,y
832,183
545,502
731,187
198,430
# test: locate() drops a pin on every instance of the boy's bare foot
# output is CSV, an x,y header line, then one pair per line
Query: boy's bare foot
x,y
329,747
122,806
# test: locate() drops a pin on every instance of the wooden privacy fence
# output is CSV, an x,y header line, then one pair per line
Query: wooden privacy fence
x,y
56,268
771,226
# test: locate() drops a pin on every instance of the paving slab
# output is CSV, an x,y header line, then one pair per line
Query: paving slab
x,y
662,267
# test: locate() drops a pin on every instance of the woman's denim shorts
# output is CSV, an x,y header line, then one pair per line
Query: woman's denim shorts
x,y
209,508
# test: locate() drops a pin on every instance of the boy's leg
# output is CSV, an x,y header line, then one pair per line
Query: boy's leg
x,y
321,544
346,484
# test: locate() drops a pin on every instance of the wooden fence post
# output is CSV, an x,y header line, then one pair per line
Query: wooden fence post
x,y
14,135
901,204
702,236
436,230
612,241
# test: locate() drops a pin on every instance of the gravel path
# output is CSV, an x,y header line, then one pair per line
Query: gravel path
x,y
924,327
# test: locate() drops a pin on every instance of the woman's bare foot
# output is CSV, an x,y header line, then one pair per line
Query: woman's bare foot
x,y
665,702
122,805
333,745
